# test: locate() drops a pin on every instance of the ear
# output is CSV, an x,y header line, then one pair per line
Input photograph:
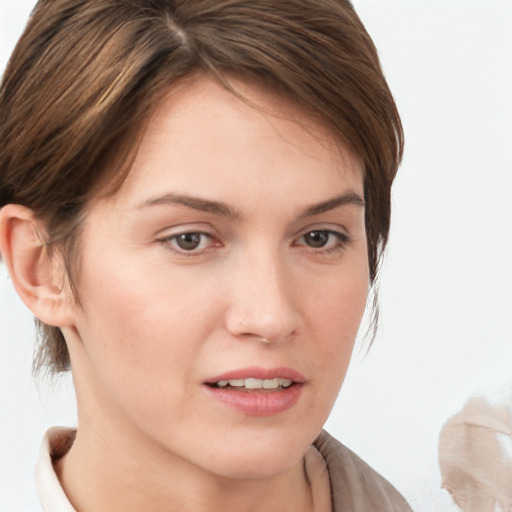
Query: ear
x,y
38,277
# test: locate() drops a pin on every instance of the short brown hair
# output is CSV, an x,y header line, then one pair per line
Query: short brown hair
x,y
86,73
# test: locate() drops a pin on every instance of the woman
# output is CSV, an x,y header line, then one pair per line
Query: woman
x,y
195,199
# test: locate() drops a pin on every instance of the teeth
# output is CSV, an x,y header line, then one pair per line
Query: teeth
x,y
255,383
270,384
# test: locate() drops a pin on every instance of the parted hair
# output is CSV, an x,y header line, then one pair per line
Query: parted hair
x,y
86,75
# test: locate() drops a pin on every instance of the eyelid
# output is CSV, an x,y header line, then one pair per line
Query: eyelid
x,y
343,238
170,234
338,234
328,227
183,228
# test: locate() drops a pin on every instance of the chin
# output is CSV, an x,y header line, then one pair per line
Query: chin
x,y
260,455
259,467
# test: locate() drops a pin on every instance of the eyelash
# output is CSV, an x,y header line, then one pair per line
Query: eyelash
x,y
171,243
340,243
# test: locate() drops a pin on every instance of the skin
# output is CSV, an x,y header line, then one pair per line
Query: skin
x,y
157,321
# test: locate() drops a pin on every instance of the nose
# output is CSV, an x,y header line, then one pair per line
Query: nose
x,y
262,301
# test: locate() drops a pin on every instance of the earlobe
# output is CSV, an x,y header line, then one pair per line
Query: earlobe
x,y
34,273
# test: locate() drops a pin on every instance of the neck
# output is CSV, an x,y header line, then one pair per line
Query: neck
x,y
102,473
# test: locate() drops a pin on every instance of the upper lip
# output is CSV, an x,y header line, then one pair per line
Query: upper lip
x,y
259,373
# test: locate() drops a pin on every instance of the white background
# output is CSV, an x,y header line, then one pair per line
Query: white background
x,y
446,291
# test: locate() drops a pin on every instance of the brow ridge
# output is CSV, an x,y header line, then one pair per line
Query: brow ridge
x,y
348,198
224,210
196,203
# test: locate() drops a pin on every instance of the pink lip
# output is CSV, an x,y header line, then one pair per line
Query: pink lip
x,y
258,402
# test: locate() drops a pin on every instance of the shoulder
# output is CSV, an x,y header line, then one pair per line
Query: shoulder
x,y
355,486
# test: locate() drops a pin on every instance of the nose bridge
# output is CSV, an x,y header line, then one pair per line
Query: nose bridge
x,y
262,296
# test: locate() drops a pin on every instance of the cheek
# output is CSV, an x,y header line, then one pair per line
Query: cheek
x,y
334,313
334,316
140,321
337,306
140,340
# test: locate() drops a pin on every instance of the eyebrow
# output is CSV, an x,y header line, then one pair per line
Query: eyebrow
x,y
196,203
223,210
350,197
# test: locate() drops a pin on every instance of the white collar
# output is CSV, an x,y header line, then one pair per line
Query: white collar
x,y
51,494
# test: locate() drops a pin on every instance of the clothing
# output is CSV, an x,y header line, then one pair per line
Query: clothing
x,y
55,444
355,486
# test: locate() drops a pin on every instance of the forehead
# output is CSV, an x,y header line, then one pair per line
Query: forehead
x,y
203,136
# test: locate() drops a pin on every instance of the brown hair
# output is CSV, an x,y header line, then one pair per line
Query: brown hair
x,y
86,73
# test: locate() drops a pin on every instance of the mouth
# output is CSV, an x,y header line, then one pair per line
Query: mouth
x,y
257,391
253,384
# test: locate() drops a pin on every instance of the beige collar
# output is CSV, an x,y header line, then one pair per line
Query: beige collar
x,y
318,477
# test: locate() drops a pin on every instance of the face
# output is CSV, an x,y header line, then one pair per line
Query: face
x,y
222,286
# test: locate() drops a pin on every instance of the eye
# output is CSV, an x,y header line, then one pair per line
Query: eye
x,y
192,241
323,241
317,239
322,238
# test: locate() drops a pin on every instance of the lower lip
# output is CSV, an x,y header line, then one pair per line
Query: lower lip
x,y
258,403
